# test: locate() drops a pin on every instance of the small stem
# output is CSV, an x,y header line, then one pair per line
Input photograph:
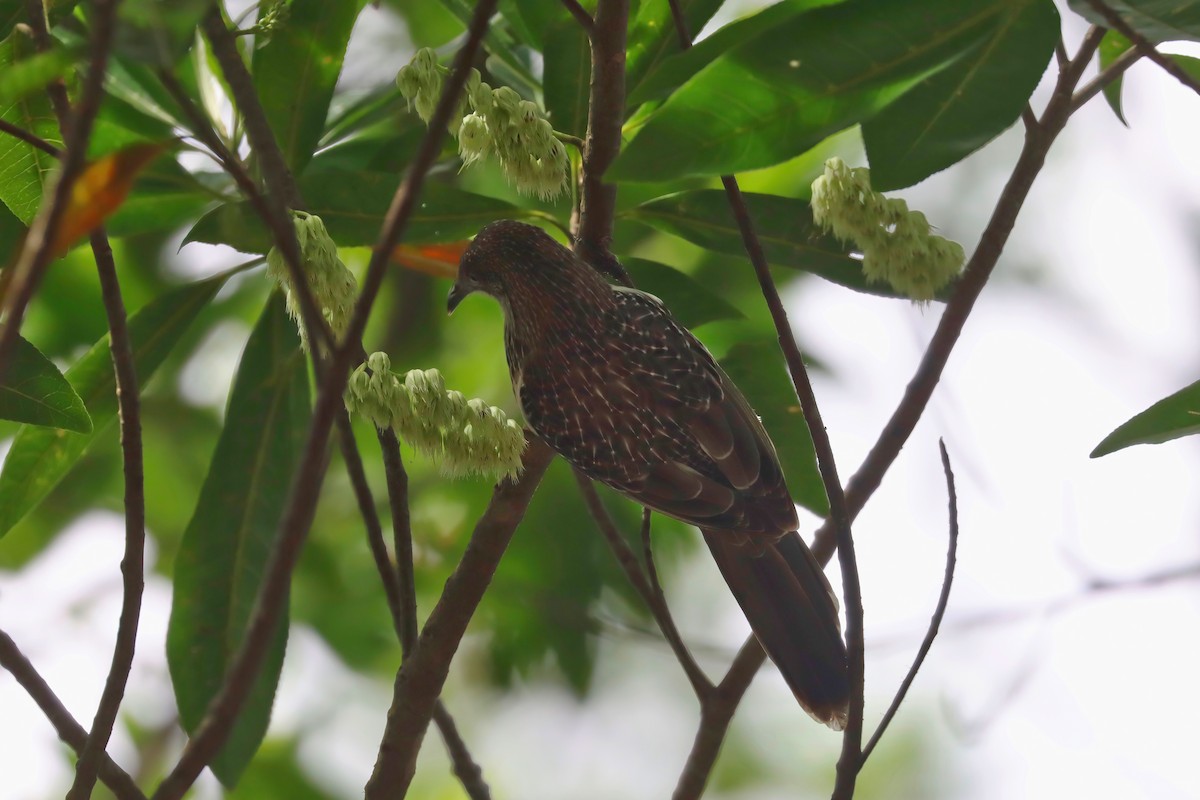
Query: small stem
x,y
1110,73
29,138
581,15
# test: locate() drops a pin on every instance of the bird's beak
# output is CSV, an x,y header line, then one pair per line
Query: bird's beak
x,y
457,293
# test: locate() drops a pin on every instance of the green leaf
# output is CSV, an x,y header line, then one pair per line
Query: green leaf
x,y
653,38
1111,46
30,75
757,368
33,391
40,457
296,71
690,302
226,546
960,109
778,94
24,168
1170,418
784,226
1157,20
352,206
156,32
568,71
165,197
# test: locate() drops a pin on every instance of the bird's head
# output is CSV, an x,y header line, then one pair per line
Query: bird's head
x,y
505,256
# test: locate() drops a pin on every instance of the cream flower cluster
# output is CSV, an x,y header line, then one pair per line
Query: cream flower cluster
x,y
465,436
332,284
898,245
500,124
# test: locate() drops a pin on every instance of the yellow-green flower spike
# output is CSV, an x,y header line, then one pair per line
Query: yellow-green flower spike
x,y
331,283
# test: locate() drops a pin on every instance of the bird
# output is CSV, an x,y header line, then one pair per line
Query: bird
x,y
607,377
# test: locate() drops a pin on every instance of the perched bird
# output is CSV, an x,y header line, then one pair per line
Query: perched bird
x,y
607,377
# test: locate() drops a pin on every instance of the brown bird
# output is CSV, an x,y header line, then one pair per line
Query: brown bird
x,y
607,377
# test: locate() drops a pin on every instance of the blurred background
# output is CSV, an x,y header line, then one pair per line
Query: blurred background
x,y
1040,684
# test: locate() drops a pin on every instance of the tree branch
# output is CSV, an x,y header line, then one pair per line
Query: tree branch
x,y
1109,74
29,138
581,15
70,731
938,613
1144,45
920,389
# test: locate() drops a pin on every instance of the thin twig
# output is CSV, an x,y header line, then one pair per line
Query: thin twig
x,y
681,26
70,731
37,249
133,561
916,397
644,585
1109,74
29,138
1145,46
938,613
402,540
581,15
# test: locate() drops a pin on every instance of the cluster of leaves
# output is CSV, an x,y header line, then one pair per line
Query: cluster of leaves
x,y
928,82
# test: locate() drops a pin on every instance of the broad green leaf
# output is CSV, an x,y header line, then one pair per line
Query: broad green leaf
x,y
1111,46
156,32
227,543
24,168
33,391
784,226
352,205
666,75
40,457
653,38
295,73
956,111
690,302
1157,20
757,368
567,76
1170,418
780,93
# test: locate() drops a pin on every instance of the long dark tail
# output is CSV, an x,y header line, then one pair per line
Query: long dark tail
x,y
787,600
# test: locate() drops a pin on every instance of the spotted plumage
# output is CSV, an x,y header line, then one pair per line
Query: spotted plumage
x,y
608,378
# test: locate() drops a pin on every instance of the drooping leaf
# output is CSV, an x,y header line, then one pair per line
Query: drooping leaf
x,y
777,94
956,111
1111,46
757,368
296,71
33,391
784,226
352,205
568,73
690,302
1170,418
1157,20
225,548
40,457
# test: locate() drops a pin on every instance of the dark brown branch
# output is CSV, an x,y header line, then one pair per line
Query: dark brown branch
x,y
650,593
920,389
306,484
423,674
938,613
681,26
403,615
1028,117
715,716
1109,74
402,542
37,249
133,561
1145,46
70,731
29,138
581,15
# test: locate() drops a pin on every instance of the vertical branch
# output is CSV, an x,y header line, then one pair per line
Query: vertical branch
x,y
37,250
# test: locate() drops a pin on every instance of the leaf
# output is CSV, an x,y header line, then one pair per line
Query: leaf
x,y
690,302
1170,418
296,71
226,546
1111,46
757,368
99,191
33,391
567,75
1157,20
166,196
24,168
31,74
784,226
40,457
156,32
653,38
956,111
352,206
778,94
